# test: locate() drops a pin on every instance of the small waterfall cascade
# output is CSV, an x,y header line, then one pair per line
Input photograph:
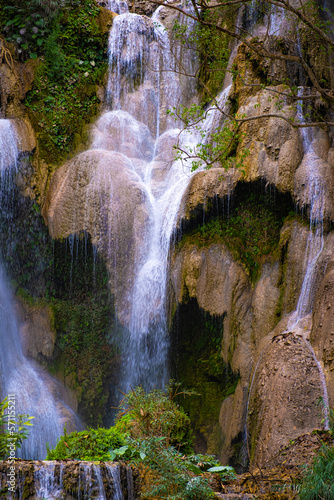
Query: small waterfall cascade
x,y
35,392
8,146
315,195
48,477
143,84
118,6
55,480
276,17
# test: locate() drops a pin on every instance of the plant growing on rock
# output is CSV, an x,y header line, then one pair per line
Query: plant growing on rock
x,y
220,21
156,414
13,428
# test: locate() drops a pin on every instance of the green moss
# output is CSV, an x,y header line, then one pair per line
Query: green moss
x,y
60,110
70,278
196,340
83,317
251,233
63,97
91,444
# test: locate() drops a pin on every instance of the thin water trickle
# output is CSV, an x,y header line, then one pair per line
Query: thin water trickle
x,y
314,195
47,477
115,476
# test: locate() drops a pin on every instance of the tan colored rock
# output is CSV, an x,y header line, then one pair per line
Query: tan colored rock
x,y
37,329
205,186
322,334
265,302
290,156
232,421
294,240
105,19
99,192
283,397
15,81
330,156
275,147
221,286
25,134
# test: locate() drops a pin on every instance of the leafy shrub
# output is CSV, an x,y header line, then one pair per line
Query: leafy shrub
x,y
147,416
55,58
173,478
13,429
156,414
92,444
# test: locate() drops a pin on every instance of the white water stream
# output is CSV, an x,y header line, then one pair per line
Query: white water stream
x,y
142,86
88,481
315,194
36,393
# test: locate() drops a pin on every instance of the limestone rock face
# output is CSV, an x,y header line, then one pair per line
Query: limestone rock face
x,y
105,19
205,186
322,334
15,81
37,330
256,321
98,192
221,286
25,135
283,396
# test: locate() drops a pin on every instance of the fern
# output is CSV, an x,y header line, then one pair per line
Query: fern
x,y
319,478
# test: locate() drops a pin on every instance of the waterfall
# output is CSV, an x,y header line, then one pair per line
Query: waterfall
x,y
143,84
8,147
315,195
35,392
48,480
84,480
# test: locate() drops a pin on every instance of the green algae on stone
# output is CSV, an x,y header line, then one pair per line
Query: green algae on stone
x,y
197,363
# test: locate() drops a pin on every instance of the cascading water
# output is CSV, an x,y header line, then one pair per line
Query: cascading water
x,y
54,480
36,393
143,84
315,195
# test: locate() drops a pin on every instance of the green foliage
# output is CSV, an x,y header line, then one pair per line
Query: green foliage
x,y
61,108
91,444
212,48
175,475
172,479
251,233
198,364
55,58
73,59
156,414
12,427
27,23
219,148
318,479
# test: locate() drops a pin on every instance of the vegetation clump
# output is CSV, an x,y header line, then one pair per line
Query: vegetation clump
x,y
318,477
91,444
71,53
251,233
13,430
146,433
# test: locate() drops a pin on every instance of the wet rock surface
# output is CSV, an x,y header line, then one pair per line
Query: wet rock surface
x,y
70,480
